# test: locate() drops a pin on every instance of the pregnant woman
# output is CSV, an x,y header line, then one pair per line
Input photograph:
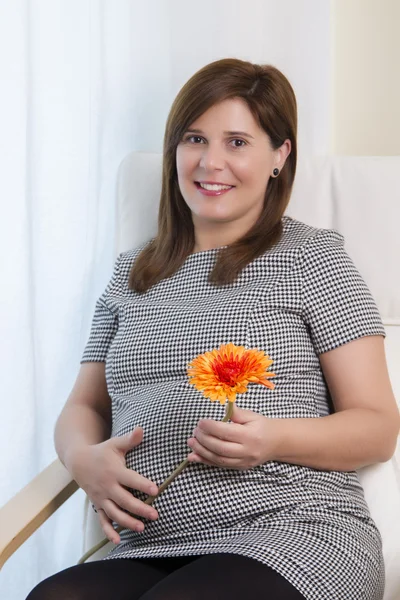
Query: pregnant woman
x,y
270,505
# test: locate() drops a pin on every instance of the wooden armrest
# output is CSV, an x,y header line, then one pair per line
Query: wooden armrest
x,y
32,506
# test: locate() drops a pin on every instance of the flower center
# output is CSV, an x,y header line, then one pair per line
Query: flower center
x,y
228,371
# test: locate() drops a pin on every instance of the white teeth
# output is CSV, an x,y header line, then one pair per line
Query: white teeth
x,y
215,187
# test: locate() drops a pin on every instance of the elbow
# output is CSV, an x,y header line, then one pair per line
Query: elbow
x,y
387,454
389,443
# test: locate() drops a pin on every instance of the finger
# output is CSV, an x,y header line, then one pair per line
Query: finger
x,y
128,441
217,446
231,432
200,459
242,415
216,459
196,458
133,505
122,518
135,481
107,527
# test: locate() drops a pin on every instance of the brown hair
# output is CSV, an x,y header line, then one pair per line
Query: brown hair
x,y
272,102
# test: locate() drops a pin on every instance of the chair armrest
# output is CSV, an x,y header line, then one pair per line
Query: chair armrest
x,y
32,506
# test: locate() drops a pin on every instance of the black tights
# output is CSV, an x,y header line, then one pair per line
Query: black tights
x,y
207,577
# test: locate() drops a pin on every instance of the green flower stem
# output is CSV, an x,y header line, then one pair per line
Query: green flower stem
x,y
228,411
163,486
150,499
184,463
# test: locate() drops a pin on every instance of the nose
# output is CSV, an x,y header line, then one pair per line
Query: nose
x,y
212,158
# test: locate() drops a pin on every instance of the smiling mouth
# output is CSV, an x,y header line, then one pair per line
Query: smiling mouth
x,y
208,185
213,190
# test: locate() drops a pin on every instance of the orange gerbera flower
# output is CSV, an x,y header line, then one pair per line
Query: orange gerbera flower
x,y
223,373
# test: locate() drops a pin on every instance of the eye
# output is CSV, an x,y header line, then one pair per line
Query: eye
x,y
191,137
241,141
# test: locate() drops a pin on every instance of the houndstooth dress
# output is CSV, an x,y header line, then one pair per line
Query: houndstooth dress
x,y
301,298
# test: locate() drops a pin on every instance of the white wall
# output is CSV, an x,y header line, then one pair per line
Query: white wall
x,y
366,77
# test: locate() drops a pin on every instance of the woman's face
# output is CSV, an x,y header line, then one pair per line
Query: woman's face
x,y
226,146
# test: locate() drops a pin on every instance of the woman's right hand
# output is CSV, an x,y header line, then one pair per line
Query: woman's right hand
x,y
100,470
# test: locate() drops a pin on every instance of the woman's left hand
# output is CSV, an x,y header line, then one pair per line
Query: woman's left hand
x,y
241,444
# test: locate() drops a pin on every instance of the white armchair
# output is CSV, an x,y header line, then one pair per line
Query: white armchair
x,y
358,196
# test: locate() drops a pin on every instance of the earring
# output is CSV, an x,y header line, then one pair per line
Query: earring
x,y
276,172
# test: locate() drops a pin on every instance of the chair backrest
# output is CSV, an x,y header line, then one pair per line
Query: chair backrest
x,y
358,196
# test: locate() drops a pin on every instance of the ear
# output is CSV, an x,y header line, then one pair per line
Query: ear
x,y
282,153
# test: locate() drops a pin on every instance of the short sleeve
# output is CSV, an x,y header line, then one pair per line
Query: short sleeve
x,y
338,306
105,321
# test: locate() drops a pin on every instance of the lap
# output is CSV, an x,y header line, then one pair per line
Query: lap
x,y
223,577
211,576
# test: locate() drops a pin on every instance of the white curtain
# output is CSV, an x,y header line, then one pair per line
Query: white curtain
x,y
84,82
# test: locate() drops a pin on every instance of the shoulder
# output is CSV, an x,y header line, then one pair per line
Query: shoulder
x,y
321,254
308,238
126,259
122,266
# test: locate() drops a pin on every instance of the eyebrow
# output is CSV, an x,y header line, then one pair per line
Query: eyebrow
x,y
226,132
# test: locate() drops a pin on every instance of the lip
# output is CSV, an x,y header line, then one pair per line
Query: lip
x,y
212,192
213,182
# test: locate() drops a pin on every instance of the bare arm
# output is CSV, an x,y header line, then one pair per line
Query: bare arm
x,y
86,416
365,426
82,441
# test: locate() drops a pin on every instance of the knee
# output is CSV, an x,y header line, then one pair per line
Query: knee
x,y
54,589
42,592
